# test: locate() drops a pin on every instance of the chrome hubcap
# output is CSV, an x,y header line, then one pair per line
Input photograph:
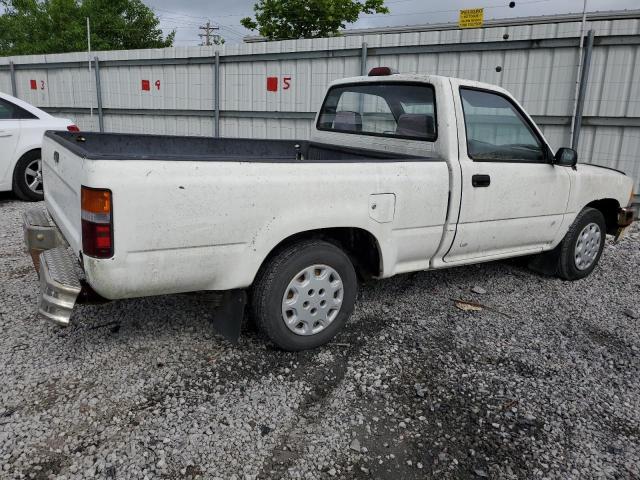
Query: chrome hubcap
x,y
312,300
587,246
33,176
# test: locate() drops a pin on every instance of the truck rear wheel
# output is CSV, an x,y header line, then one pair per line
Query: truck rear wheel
x,y
304,295
582,246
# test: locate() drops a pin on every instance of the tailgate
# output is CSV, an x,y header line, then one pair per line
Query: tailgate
x,y
62,172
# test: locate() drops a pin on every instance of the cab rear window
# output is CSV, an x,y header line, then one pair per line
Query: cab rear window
x,y
381,109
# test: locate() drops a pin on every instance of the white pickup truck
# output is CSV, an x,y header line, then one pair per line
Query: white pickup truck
x,y
402,173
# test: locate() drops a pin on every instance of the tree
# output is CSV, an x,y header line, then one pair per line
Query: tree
x,y
286,19
57,26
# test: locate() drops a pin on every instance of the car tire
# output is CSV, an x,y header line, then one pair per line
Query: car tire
x,y
304,295
27,180
582,246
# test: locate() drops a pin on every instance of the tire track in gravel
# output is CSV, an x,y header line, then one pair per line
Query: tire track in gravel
x,y
323,382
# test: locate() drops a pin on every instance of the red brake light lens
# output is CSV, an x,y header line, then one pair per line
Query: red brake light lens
x,y
97,222
73,128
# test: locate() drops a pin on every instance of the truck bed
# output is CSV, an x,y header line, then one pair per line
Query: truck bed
x,y
120,146
195,213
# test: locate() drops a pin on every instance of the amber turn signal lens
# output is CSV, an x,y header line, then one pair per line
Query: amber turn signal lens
x,y
96,200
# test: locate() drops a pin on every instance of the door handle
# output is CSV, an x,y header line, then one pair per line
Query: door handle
x,y
5,134
480,180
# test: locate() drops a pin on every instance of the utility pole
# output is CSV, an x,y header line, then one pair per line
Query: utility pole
x,y
209,38
89,60
578,75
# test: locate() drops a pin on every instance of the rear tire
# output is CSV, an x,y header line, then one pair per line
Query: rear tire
x,y
304,295
582,246
27,177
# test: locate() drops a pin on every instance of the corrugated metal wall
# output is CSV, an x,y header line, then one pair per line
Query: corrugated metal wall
x,y
537,63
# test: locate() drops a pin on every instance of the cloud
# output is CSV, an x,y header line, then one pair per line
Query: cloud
x,y
186,17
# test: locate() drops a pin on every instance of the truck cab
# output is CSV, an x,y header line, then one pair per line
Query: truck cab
x,y
509,193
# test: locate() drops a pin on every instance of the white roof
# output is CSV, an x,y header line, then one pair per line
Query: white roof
x,y
416,77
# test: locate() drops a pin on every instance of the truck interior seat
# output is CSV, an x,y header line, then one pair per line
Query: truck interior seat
x,y
349,121
415,125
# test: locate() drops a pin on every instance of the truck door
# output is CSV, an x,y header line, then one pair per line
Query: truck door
x,y
513,197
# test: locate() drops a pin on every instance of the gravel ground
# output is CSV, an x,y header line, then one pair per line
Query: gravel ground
x,y
545,384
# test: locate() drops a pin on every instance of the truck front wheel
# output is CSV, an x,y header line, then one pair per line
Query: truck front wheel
x,y
582,246
304,295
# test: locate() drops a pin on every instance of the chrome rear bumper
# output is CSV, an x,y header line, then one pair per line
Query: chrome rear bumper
x,y
40,234
57,268
59,285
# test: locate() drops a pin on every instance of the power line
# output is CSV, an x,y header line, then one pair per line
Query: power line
x,y
178,16
447,11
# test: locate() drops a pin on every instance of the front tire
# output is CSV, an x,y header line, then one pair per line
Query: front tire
x,y
27,177
582,246
304,295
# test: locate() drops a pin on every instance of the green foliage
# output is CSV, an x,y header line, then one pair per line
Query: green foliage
x,y
284,19
57,26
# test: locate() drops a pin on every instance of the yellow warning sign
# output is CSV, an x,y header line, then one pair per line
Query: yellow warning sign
x,y
471,18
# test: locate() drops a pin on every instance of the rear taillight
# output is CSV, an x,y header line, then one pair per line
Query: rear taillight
x,y
73,128
97,222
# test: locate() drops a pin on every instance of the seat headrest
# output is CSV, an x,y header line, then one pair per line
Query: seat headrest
x,y
350,121
415,125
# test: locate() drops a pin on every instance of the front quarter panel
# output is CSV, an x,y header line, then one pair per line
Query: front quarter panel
x,y
592,183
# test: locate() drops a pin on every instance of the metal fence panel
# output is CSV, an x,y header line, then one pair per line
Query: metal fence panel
x,y
264,128
159,124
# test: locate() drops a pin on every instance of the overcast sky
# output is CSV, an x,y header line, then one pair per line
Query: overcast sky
x,y
186,16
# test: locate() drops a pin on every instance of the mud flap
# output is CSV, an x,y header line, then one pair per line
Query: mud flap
x,y
546,263
227,318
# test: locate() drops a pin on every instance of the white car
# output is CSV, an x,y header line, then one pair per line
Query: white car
x,y
22,127
402,173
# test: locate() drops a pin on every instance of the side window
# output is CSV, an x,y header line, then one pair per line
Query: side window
x,y
9,111
6,112
390,109
496,131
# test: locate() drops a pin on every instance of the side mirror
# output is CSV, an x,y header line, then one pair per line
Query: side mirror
x,y
566,157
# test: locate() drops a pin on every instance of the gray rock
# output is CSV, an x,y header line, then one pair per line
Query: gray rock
x,y
355,445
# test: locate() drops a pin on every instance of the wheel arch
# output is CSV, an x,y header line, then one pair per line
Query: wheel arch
x,y
359,244
609,208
